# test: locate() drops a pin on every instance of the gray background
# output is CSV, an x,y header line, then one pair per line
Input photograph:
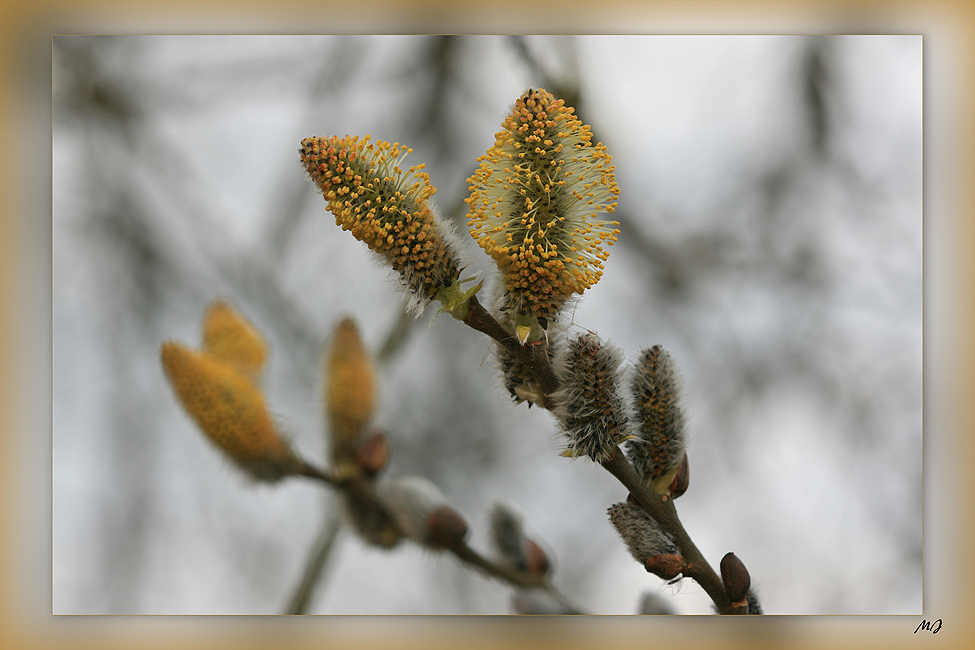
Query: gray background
x,y
771,218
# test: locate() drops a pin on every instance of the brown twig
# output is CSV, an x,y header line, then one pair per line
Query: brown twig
x,y
662,509
523,579
534,357
309,470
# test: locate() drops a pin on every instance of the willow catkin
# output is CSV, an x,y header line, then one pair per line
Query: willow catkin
x,y
232,339
350,391
589,406
658,446
230,411
534,202
386,208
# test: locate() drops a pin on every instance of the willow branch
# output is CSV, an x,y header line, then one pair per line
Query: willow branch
x,y
523,579
659,507
662,509
533,356
308,470
316,564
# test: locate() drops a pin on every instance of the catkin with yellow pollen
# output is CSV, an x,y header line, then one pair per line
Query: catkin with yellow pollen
x,y
230,338
385,208
350,391
534,203
230,411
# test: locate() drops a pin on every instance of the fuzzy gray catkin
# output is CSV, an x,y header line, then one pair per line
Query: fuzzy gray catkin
x,y
422,511
660,432
589,406
640,532
508,537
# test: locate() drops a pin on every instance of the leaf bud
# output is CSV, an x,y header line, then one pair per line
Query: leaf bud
x,y
735,577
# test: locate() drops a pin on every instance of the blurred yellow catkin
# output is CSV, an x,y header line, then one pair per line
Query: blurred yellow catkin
x,y
350,391
230,410
230,338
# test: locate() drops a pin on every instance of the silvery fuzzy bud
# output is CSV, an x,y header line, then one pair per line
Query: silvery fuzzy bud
x,y
537,602
589,406
754,606
640,532
657,447
369,517
652,604
422,512
508,537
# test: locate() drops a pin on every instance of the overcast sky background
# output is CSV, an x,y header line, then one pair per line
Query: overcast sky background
x,y
771,240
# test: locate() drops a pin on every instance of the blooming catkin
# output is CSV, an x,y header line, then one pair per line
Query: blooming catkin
x,y
385,208
588,405
230,411
350,391
642,535
230,338
658,446
534,203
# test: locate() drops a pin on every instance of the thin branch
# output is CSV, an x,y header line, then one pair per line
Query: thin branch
x,y
515,577
533,356
316,563
662,509
309,470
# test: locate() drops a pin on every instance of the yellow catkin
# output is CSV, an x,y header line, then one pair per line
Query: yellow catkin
x,y
229,410
535,201
230,338
384,207
350,391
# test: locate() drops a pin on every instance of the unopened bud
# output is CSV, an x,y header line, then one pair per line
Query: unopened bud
x,y
735,576
589,406
373,454
640,532
415,503
537,561
683,479
658,446
667,566
445,528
